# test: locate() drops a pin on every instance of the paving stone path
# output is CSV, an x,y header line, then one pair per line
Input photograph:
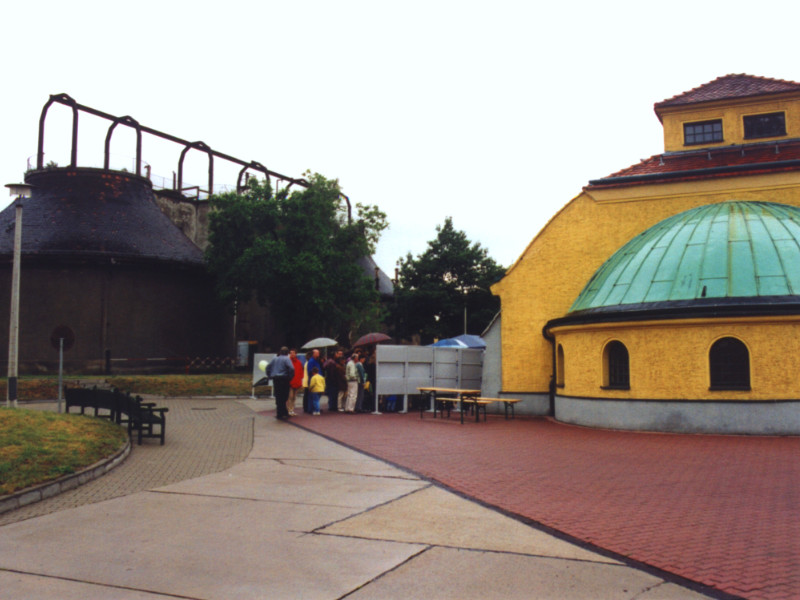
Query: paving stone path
x,y
203,436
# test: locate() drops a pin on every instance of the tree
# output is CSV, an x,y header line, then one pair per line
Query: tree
x,y
296,253
435,289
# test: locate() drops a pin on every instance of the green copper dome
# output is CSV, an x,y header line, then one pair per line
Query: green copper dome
x,y
708,255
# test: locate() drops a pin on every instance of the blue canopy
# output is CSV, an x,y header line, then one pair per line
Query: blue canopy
x,y
471,341
461,341
449,343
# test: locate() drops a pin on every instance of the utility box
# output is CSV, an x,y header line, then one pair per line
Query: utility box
x,y
245,352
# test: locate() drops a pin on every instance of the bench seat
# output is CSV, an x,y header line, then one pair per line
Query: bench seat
x,y
507,402
148,420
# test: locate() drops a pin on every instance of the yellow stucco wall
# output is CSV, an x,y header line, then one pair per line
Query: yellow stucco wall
x,y
557,264
669,359
731,114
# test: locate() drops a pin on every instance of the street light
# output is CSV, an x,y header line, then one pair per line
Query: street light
x,y
20,191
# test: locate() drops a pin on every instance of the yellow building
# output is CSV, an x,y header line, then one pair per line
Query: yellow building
x,y
666,296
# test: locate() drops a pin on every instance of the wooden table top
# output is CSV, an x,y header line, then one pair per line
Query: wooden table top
x,y
438,390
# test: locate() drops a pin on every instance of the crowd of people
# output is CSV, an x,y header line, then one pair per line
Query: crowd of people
x,y
348,382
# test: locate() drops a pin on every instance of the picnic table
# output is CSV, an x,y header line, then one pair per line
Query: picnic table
x,y
445,398
442,398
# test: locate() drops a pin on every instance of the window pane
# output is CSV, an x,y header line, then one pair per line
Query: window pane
x,y
729,363
769,125
618,370
703,132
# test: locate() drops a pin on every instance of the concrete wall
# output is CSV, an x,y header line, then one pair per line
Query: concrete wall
x,y
190,215
492,379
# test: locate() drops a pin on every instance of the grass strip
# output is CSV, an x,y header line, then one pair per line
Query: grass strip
x,y
39,446
225,384
174,386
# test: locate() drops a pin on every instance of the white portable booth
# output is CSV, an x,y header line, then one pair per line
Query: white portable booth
x,y
402,370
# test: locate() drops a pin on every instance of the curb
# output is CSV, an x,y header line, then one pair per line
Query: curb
x,y
46,490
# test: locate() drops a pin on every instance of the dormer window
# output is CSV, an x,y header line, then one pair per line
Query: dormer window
x,y
768,125
703,132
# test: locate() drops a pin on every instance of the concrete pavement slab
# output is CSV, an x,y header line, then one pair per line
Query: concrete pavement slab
x,y
199,546
435,517
309,483
23,585
448,573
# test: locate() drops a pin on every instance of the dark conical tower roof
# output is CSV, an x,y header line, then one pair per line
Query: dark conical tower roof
x,y
95,214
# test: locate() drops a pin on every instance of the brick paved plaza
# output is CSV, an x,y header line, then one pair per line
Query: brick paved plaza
x,y
718,510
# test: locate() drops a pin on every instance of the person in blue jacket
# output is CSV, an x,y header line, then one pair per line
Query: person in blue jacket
x,y
281,370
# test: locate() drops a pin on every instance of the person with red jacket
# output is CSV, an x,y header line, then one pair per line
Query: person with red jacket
x,y
296,383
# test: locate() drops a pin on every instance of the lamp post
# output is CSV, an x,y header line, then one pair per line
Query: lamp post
x,y
20,190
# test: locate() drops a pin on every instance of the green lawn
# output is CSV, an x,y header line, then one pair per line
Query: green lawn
x,y
227,384
37,446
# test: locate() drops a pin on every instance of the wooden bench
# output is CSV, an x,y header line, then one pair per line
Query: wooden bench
x,y
122,408
508,404
143,417
478,404
89,398
442,404
443,398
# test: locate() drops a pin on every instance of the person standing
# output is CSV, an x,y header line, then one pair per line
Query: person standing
x,y
281,371
372,377
312,362
296,383
341,380
362,381
351,374
316,386
332,382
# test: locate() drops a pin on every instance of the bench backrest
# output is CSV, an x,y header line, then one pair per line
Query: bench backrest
x,y
80,397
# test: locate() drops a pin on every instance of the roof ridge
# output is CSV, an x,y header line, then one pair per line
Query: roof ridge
x,y
716,89
697,87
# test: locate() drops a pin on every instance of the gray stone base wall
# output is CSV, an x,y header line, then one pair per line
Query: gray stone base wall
x,y
753,418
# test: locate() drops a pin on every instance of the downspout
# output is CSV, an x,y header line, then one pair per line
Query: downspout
x,y
552,387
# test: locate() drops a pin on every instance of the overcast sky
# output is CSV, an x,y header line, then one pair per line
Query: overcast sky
x,y
496,113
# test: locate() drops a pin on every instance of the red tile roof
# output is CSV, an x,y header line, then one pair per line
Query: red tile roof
x,y
731,86
730,161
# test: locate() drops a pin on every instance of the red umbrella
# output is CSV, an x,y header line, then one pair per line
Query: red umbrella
x,y
371,338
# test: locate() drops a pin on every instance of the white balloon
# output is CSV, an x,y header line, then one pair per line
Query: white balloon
x,y
263,365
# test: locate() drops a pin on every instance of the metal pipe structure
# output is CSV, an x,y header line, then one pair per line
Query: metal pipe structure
x,y
130,122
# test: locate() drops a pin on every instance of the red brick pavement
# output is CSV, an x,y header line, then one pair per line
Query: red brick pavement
x,y
718,510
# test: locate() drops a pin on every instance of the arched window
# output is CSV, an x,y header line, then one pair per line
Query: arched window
x,y
560,366
729,365
615,361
